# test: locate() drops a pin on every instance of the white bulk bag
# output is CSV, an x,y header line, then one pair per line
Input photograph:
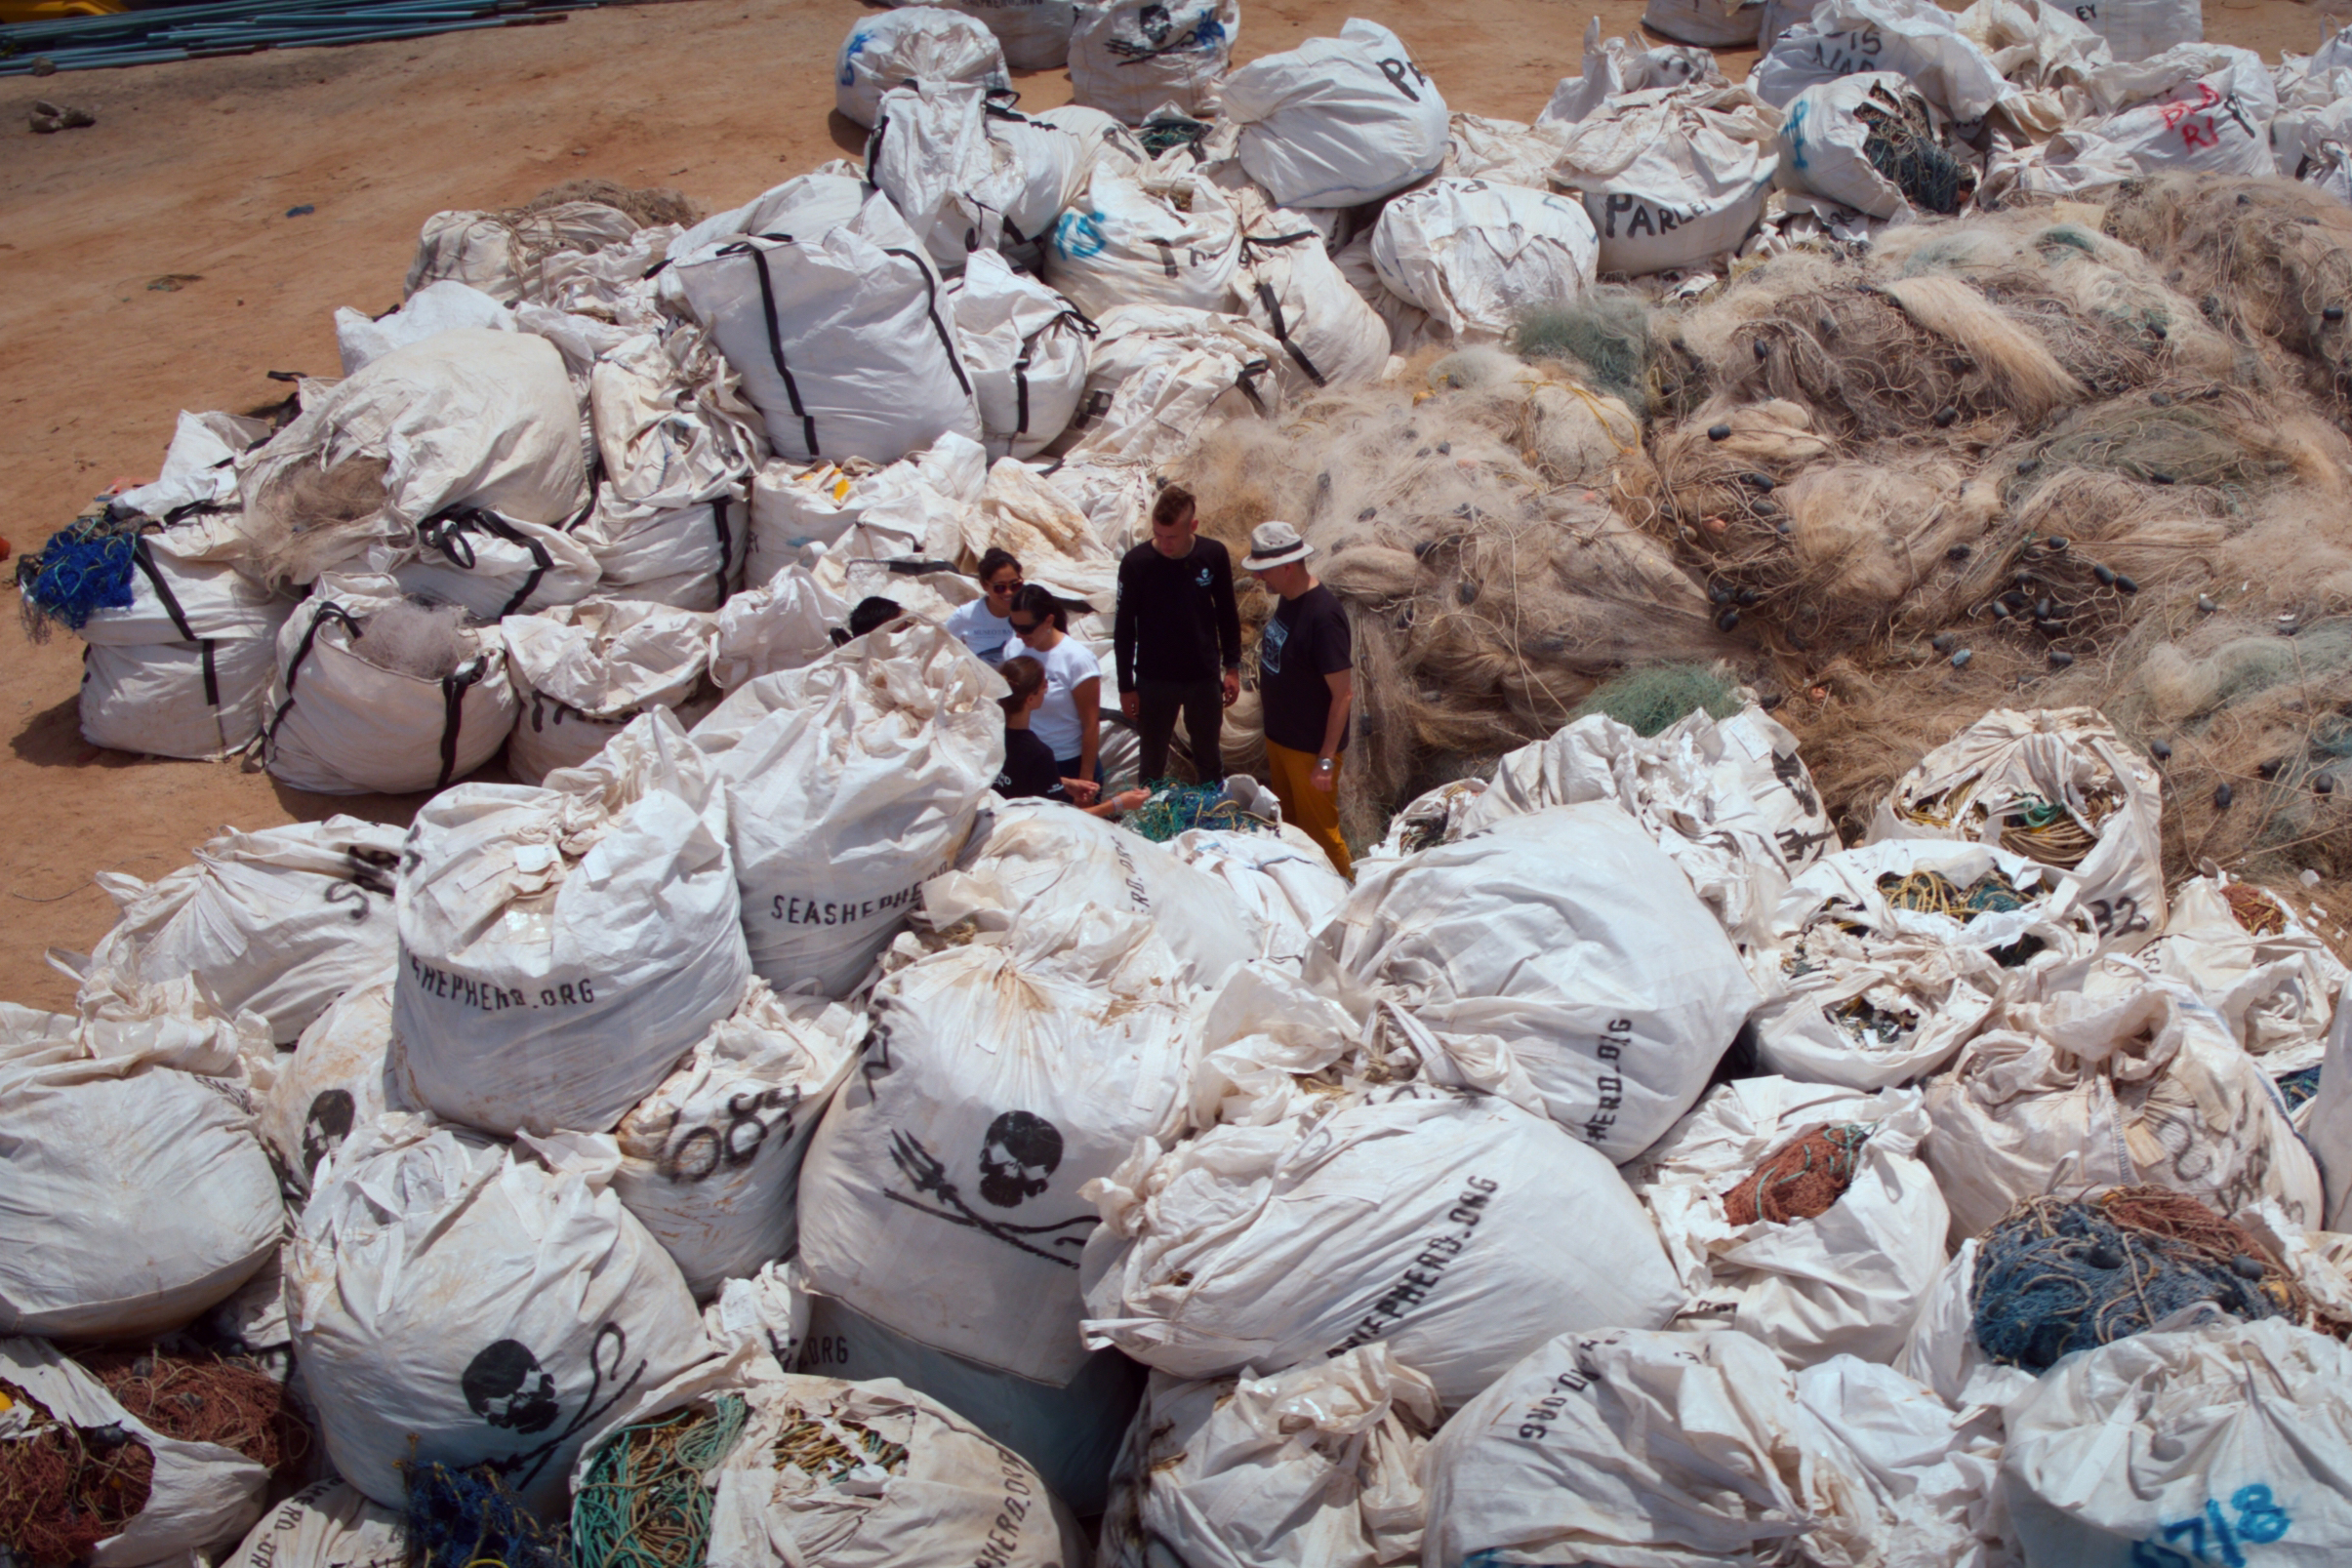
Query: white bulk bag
x,y
1313,1467
1102,137
1474,255
492,566
1613,67
1846,1282
2204,106
801,512
920,44
341,724
1288,887
1131,58
1915,37
2073,1095
1070,1433
1570,938
436,307
2137,29
1034,33
1028,860
1706,23
1671,178
199,1493
2197,1446
561,948
278,922
1057,548
1289,286
1337,122
1428,1219
842,341
339,1078
849,784
137,1193
1694,1450
584,671
2277,991
1173,242
784,623
327,1524
1825,144
1981,785
1505,152
465,417
690,557
941,1196
1158,375
503,253
1024,348
2328,1123
807,206
969,172
711,1160
199,469
456,1302
767,1312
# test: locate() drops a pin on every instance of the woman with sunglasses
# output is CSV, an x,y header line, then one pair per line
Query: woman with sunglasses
x,y
984,624
1068,719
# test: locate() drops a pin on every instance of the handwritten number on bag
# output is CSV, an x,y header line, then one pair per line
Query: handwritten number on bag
x,y
2119,919
2185,1542
706,1150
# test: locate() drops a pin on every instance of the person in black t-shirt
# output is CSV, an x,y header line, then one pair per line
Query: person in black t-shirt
x,y
1178,638
1305,684
1029,770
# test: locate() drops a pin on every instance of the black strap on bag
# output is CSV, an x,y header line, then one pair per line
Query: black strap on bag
x,y
453,715
145,560
325,613
767,304
947,340
726,544
1282,332
446,531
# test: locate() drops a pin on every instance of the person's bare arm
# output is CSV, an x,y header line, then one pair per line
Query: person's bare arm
x,y
1335,728
1088,695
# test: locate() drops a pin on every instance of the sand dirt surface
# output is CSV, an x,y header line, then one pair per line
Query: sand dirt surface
x,y
191,171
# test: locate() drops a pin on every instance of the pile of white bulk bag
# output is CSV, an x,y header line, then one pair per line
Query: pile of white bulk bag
x,y
1505,152
1337,122
1613,67
1022,513
942,1195
1671,178
2203,1444
460,1302
425,703
784,623
1313,1467
199,472
2059,787
562,948
2273,980
807,205
1829,131
1030,859
327,1524
1915,37
2194,107
279,922
1428,1219
1474,255
491,566
843,340
1159,374
1706,23
1286,881
711,1160
2073,1095
691,557
1618,1008
1845,1281
969,172
803,513
920,44
1024,348
195,1495
2137,29
1133,240
1289,286
1131,58
436,307
183,670
584,671
1034,33
465,417
850,782
1691,1450
339,1077
503,253
137,1193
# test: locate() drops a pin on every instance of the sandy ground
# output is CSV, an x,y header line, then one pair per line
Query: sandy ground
x,y
191,169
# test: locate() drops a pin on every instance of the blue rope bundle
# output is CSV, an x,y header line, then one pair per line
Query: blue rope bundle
x,y
2059,1275
468,1518
1175,807
85,567
2297,1087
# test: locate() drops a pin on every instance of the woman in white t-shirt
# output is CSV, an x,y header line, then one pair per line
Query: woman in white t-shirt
x,y
985,625
1074,688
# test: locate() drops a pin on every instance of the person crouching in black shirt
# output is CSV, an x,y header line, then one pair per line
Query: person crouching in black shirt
x,y
1029,770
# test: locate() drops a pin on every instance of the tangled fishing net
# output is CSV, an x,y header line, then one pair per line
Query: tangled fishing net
x,y
206,1399
1602,335
1802,1179
1903,147
830,1449
649,205
1647,701
645,1502
2059,1275
1933,893
85,567
472,1519
64,1489
2260,914
2297,1087
1177,807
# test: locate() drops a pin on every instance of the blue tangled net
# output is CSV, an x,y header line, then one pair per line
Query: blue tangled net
x,y
2297,1087
2059,1275
456,1518
85,567
1175,807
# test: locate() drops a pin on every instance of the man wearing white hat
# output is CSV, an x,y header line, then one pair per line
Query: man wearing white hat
x,y
1305,685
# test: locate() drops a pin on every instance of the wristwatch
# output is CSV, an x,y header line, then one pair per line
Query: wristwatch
x,y
1323,764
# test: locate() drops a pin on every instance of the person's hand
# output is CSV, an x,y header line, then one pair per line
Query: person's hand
x,y
1128,799
1081,790
1326,777
1132,705
1232,687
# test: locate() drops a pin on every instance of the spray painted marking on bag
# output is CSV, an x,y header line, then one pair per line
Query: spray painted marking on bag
x,y
1135,882
1842,54
706,1150
1609,1086
498,998
2185,1542
1649,217
795,910
1161,36
1429,1267
1536,1425
1003,1539
1017,1155
506,1385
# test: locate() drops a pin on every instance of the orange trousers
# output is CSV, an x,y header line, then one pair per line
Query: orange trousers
x,y
1311,811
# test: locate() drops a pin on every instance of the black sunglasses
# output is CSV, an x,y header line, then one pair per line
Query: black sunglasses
x,y
1020,630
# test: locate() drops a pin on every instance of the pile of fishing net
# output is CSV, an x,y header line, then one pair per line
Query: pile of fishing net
x,y
645,1502
1177,807
1801,1180
85,567
2059,1275
463,1519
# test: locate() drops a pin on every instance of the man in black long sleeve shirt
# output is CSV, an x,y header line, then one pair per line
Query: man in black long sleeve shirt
x,y
1178,635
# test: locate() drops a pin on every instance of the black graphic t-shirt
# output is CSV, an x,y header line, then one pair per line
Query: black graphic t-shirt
x,y
1029,769
1306,639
